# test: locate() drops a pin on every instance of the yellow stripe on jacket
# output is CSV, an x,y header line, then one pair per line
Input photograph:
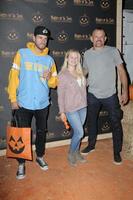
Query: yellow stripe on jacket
x,y
13,79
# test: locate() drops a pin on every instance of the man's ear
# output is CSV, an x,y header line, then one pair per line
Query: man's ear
x,y
105,38
33,38
91,38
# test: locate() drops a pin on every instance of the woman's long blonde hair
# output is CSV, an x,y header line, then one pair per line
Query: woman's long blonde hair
x,y
79,71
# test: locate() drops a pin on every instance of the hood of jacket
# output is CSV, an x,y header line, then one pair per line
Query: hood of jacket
x,y
31,46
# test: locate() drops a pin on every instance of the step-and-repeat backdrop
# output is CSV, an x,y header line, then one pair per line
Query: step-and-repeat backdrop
x,y
71,23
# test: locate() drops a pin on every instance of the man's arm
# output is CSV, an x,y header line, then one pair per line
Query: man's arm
x,y
85,71
52,77
13,81
124,82
85,68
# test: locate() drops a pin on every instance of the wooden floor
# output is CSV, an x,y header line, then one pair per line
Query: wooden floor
x,y
98,179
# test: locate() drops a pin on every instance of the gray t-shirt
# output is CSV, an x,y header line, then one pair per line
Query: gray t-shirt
x,y
101,65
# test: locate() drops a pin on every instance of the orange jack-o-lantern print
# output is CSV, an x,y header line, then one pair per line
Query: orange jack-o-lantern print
x,y
16,146
19,143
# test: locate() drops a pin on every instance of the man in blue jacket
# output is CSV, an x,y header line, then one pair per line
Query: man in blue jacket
x,y
30,77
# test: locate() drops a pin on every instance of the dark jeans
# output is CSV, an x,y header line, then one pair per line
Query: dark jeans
x,y
112,105
24,119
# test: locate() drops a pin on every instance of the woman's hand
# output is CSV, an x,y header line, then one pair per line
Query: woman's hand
x,y
63,116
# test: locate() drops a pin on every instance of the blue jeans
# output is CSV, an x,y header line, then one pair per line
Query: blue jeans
x,y
76,120
111,104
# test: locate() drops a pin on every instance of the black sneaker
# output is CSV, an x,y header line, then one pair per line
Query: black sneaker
x,y
117,159
87,150
21,171
43,165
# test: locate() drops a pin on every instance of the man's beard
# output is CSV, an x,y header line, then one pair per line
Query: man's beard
x,y
41,46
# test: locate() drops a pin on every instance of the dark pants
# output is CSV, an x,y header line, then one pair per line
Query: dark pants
x,y
112,105
24,119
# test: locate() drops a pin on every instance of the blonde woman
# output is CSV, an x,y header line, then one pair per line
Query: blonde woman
x,y
72,101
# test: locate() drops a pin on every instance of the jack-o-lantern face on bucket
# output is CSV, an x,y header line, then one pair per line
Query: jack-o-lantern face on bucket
x,y
16,145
